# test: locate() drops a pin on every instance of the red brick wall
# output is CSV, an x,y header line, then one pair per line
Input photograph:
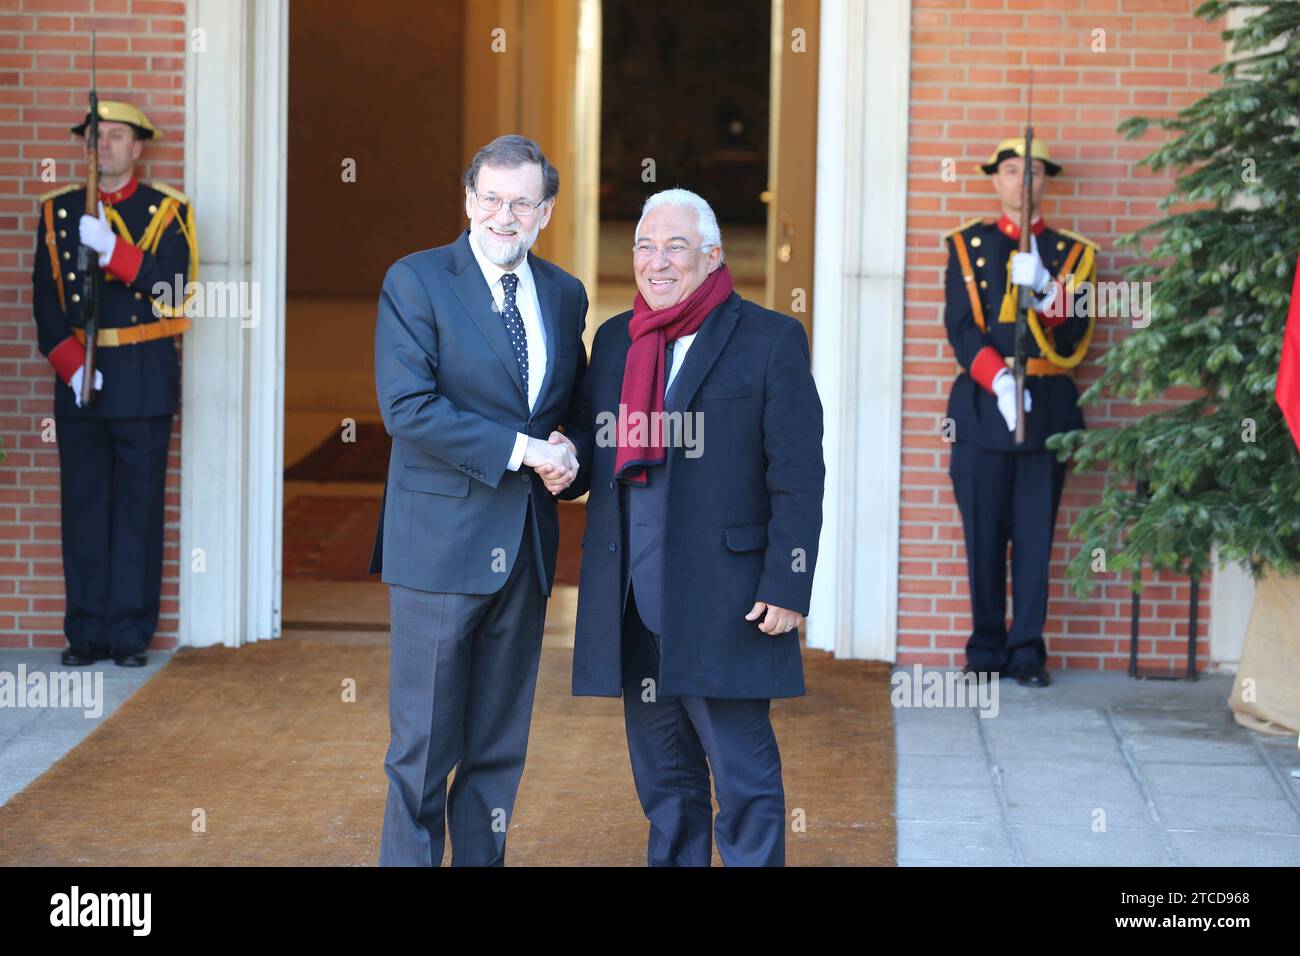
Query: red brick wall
x,y
44,74
970,62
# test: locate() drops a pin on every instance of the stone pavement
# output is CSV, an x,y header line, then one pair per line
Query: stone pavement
x,y
33,739
1096,770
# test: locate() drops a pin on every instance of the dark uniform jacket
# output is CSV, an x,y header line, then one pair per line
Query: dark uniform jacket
x,y
156,243
972,407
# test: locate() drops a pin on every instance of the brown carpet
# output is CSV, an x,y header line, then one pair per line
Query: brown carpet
x,y
286,773
573,525
329,539
365,459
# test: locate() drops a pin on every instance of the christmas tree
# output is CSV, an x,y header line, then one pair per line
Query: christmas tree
x,y
1222,468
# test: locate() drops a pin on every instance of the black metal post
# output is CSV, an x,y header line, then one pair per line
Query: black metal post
x,y
1142,492
1133,634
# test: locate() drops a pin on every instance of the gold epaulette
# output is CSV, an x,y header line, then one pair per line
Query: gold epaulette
x,y
174,193
964,226
168,212
1078,238
59,192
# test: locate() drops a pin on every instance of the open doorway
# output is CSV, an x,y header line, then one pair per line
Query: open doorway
x,y
374,159
384,114
684,102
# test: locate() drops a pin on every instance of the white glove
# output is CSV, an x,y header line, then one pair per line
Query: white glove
x,y
1027,269
98,235
79,374
1043,303
1004,387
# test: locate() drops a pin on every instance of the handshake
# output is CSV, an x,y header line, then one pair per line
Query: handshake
x,y
555,461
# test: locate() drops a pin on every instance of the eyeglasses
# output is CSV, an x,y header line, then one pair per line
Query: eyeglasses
x,y
676,251
521,208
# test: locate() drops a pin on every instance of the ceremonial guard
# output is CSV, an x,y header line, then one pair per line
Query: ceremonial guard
x,y
113,436
1009,492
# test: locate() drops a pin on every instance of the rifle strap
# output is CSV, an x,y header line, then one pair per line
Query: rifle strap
x,y
53,247
968,276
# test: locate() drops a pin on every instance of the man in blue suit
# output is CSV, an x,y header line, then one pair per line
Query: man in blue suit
x,y
698,430
478,352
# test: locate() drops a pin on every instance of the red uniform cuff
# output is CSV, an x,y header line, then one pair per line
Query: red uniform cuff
x,y
1055,313
66,357
987,363
125,262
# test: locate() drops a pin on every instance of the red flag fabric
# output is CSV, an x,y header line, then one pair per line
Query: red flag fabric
x,y
1288,371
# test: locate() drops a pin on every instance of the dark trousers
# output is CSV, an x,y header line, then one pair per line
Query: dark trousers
x,y
112,479
1007,497
675,742
460,696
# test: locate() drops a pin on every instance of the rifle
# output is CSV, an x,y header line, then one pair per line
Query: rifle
x,y
87,258
1025,300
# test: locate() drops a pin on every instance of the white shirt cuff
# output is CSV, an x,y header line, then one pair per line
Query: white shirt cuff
x,y
517,456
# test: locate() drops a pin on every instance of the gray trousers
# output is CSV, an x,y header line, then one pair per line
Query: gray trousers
x,y
460,696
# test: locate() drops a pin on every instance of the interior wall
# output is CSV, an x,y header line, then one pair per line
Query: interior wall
x,y
520,60
687,85
385,91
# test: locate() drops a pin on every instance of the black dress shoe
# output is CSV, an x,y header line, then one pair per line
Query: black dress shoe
x,y
82,655
972,669
1033,677
137,659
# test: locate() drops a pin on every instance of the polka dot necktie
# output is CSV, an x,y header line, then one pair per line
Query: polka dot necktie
x,y
515,325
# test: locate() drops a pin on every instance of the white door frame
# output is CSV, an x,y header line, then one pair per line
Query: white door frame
x,y
861,239
236,131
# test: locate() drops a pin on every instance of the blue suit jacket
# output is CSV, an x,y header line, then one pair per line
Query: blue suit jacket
x,y
451,395
744,516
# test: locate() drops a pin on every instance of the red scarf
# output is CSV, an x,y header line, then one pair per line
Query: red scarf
x,y
1287,391
644,374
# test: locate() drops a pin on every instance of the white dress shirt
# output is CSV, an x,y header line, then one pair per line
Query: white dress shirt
x,y
531,312
679,356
